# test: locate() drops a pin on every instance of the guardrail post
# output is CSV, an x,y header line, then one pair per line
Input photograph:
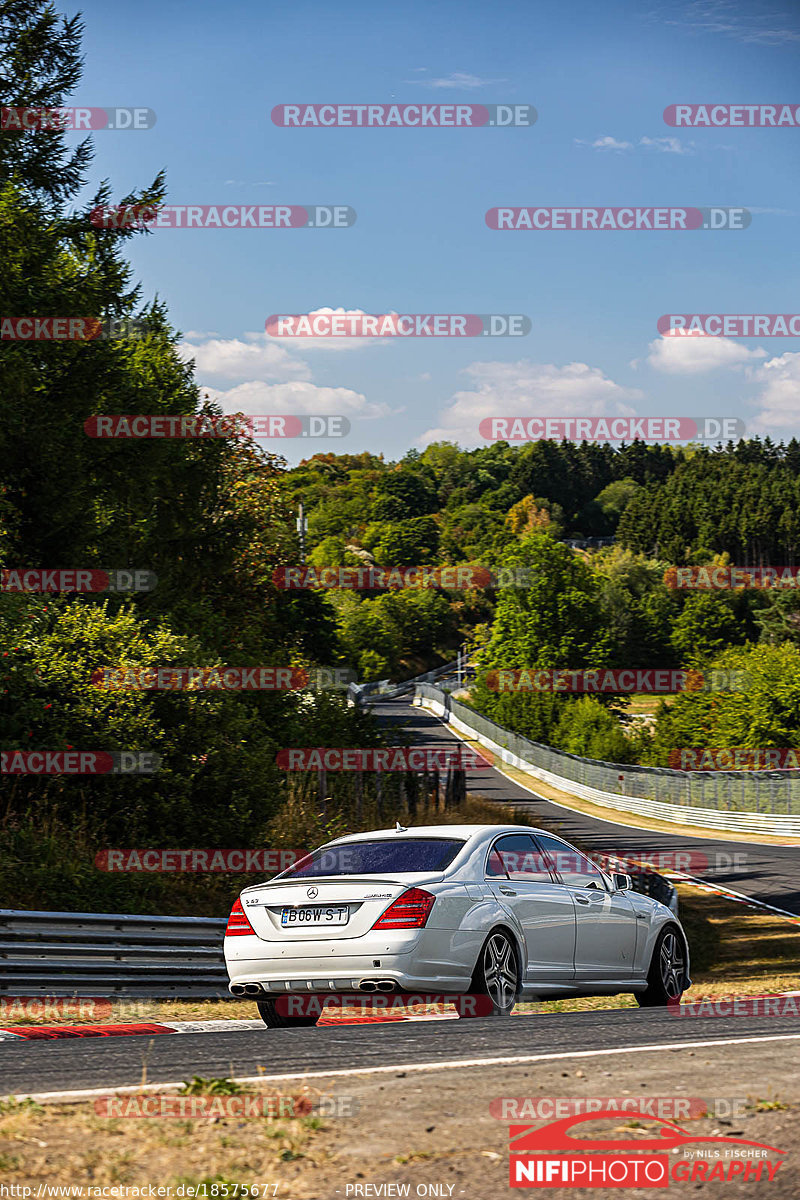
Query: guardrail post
x,y
359,787
322,787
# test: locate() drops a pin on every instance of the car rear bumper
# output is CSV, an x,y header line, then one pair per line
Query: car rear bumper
x,y
329,967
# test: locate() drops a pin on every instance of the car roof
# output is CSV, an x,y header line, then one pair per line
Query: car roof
x,y
452,831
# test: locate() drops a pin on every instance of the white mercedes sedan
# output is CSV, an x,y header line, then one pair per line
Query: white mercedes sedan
x,y
503,912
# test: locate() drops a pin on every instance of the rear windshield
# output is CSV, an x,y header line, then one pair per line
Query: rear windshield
x,y
382,856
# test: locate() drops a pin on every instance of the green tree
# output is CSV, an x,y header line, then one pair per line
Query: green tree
x,y
707,624
410,543
555,620
764,711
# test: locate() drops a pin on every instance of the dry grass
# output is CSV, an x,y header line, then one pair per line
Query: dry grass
x,y
69,1144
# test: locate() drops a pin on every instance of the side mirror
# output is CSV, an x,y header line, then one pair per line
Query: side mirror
x,y
622,883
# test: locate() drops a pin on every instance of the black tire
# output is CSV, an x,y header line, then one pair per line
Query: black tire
x,y
665,979
497,974
276,1020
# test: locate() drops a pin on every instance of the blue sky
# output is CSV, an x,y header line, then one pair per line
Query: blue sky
x,y
599,75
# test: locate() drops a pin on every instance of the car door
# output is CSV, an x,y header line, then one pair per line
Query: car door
x,y
523,883
605,941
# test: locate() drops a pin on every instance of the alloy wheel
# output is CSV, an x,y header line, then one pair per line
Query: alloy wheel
x,y
500,970
672,965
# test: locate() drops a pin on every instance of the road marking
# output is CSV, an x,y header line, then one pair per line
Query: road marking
x,y
455,733
449,1065
52,1033
729,893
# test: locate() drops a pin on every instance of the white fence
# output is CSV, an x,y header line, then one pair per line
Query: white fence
x,y
740,801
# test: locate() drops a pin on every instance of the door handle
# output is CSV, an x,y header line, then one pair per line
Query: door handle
x,y
582,899
508,891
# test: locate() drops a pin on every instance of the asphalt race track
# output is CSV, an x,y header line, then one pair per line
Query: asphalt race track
x,y
772,872
117,1062
102,1063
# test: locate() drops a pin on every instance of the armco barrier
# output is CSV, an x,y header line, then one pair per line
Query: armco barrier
x,y
740,801
111,954
358,692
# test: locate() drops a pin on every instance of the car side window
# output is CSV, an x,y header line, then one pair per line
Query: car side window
x,y
574,868
494,865
521,859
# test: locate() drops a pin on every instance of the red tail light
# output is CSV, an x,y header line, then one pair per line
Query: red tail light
x,y
238,922
409,911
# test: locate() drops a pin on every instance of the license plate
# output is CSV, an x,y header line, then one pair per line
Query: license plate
x,y
318,914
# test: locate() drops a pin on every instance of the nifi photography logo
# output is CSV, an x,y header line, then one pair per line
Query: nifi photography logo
x,y
550,1156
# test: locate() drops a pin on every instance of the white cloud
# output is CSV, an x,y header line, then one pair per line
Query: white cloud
x,y
307,344
663,145
692,355
458,79
298,397
753,24
529,389
667,145
610,143
779,399
232,359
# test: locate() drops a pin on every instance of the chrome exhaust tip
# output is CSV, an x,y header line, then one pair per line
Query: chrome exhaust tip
x,y
252,989
384,985
237,989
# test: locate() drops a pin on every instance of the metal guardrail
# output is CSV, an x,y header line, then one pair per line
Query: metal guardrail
x,y
125,956
111,955
740,801
362,691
